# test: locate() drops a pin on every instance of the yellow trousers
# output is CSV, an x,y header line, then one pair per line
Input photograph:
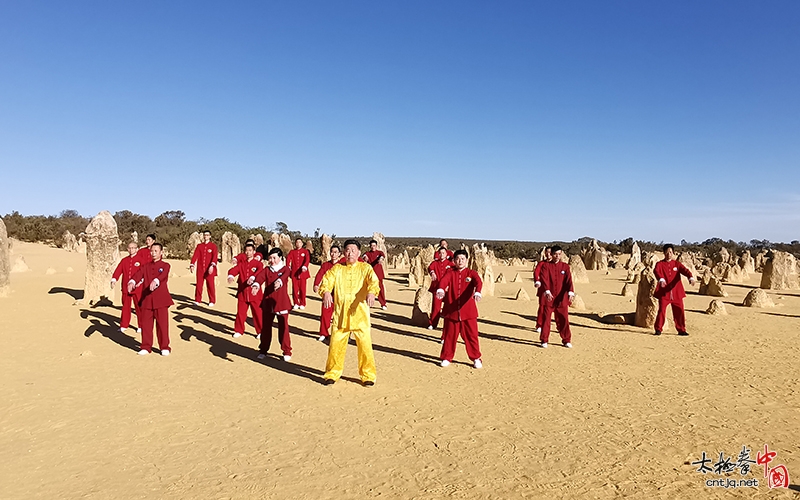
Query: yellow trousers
x,y
338,347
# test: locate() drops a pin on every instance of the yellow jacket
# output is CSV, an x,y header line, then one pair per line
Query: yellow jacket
x,y
352,283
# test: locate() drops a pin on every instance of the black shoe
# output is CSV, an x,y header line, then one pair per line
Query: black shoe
x,y
328,381
368,383
658,332
683,334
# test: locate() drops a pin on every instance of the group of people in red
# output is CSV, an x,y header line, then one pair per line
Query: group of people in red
x,y
262,290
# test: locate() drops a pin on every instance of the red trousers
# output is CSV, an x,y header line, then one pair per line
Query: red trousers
x,y
283,333
436,312
241,315
562,321
161,317
127,300
677,313
299,291
198,288
325,319
540,312
382,294
468,329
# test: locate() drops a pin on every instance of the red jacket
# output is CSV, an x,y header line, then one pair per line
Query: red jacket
x,y
374,260
126,268
557,278
275,300
143,255
159,297
244,270
296,260
204,255
439,267
670,271
459,289
324,268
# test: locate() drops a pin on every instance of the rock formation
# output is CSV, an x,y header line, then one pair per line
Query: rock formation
x,y
230,248
102,255
522,295
595,258
780,272
717,308
423,305
192,242
711,285
646,304
5,261
758,298
578,269
577,303
326,242
627,290
70,242
500,278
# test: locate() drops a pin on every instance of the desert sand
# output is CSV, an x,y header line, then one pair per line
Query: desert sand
x,y
622,414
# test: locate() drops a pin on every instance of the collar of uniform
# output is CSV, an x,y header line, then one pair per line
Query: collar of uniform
x,y
276,268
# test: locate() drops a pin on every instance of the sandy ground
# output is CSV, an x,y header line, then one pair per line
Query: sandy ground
x,y
621,414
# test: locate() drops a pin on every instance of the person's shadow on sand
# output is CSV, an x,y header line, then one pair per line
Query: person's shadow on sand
x,y
106,325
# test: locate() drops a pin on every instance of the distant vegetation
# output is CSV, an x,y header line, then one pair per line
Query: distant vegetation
x,y
172,229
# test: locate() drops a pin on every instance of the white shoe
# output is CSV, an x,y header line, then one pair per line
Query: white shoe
x,y
444,363
384,308
198,304
539,330
568,345
477,364
122,329
138,330
430,327
286,357
210,304
295,307
544,345
258,337
237,335
261,356
321,338
144,352
302,307
165,352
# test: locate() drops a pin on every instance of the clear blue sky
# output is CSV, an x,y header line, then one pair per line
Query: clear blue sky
x,y
526,120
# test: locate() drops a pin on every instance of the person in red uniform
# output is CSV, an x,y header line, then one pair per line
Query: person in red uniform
x,y
204,260
460,288
298,261
537,283
125,269
437,269
376,258
556,280
326,314
275,303
242,257
670,290
154,305
143,255
246,297
443,244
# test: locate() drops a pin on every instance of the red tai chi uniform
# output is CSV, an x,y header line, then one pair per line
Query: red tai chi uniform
x,y
557,279
440,268
126,269
537,278
154,305
242,257
205,261
376,259
326,314
275,303
668,273
460,312
298,261
245,298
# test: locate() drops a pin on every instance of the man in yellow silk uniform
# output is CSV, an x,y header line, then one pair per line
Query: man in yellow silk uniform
x,y
356,286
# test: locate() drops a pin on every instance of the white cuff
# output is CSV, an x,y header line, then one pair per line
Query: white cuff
x,y
538,283
131,281
304,268
230,276
279,282
156,281
478,294
113,280
662,280
548,292
571,294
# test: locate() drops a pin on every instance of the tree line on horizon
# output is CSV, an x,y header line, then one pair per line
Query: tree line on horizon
x,y
172,229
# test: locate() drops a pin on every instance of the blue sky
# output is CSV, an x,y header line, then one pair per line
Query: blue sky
x,y
498,120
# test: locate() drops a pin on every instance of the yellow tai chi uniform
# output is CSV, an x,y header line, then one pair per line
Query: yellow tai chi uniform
x,y
352,283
